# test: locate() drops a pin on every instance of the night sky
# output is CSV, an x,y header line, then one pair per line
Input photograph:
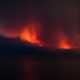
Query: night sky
x,y
18,11
52,14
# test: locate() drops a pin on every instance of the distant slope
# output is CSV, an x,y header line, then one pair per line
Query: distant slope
x,y
16,47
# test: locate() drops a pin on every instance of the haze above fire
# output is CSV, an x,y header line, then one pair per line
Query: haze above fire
x,y
56,18
31,32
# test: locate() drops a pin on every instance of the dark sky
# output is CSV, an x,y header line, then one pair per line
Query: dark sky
x,y
18,11
14,13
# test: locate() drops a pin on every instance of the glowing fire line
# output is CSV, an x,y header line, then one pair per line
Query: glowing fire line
x,y
30,33
63,44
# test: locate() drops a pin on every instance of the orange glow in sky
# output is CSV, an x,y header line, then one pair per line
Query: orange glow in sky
x,y
30,34
64,43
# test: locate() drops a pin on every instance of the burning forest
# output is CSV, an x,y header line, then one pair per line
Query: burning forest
x,y
39,23
32,32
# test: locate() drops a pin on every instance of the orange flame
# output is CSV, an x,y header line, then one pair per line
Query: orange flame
x,y
64,43
31,34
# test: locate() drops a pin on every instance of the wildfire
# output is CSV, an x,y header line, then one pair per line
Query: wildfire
x,y
64,43
30,34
